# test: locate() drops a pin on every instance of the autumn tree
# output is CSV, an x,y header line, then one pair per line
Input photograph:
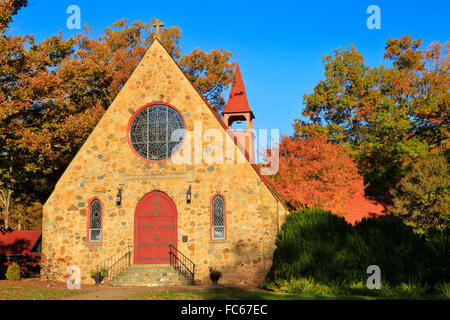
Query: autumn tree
x,y
211,73
11,59
27,214
12,63
314,173
30,96
388,115
8,9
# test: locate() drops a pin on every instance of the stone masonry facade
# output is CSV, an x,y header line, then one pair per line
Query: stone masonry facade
x,y
106,162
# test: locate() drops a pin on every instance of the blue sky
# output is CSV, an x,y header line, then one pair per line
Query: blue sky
x,y
279,44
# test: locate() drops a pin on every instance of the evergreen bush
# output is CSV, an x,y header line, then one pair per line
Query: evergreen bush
x,y
310,244
13,272
323,247
388,243
437,261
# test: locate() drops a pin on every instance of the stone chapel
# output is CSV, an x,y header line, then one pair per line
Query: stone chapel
x,y
124,195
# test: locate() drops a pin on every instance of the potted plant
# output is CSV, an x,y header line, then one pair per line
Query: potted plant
x,y
98,276
214,275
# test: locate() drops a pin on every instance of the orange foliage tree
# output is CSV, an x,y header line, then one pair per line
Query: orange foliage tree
x,y
53,93
314,173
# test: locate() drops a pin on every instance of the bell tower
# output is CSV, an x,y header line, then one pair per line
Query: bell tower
x,y
238,110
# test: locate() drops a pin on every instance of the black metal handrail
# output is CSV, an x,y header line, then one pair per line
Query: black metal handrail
x,y
183,264
116,263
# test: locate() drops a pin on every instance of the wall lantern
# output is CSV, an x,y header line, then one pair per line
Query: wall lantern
x,y
119,197
189,195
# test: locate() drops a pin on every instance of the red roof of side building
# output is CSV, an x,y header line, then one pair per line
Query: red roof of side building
x,y
17,241
361,206
237,102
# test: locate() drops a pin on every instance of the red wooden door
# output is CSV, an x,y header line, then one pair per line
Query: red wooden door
x,y
155,228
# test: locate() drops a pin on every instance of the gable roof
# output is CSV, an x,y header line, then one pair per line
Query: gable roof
x,y
18,241
151,51
255,167
237,102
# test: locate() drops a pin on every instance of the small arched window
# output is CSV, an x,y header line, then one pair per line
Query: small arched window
x,y
218,228
95,221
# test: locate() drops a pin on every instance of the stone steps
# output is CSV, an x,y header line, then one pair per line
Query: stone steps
x,y
159,278
148,276
141,284
140,270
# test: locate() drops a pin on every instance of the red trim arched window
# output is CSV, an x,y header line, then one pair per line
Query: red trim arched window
x,y
95,221
218,218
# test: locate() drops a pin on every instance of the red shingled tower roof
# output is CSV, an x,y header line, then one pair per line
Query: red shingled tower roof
x,y
237,102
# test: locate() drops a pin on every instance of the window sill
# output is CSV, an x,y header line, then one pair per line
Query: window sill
x,y
218,241
94,244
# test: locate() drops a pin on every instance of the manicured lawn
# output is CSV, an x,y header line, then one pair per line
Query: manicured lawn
x,y
234,294
32,289
39,290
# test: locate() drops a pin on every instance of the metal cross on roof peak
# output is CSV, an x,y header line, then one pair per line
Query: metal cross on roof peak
x,y
158,24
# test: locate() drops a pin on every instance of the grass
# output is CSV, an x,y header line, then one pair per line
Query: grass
x,y
231,293
308,287
34,290
39,290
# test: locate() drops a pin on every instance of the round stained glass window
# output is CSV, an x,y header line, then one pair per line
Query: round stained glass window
x,y
157,132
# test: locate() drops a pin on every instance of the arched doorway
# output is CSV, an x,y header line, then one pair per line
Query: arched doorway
x,y
155,228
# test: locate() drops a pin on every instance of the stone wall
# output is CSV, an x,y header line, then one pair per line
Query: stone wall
x,y
106,162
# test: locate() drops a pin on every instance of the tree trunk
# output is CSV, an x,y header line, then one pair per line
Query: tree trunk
x,y
5,200
6,217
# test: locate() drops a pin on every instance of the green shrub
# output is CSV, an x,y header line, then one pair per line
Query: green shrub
x,y
310,287
310,244
411,290
388,243
13,272
318,245
103,272
437,260
299,286
444,290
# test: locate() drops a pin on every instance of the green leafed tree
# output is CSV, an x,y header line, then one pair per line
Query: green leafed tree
x,y
422,198
389,115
